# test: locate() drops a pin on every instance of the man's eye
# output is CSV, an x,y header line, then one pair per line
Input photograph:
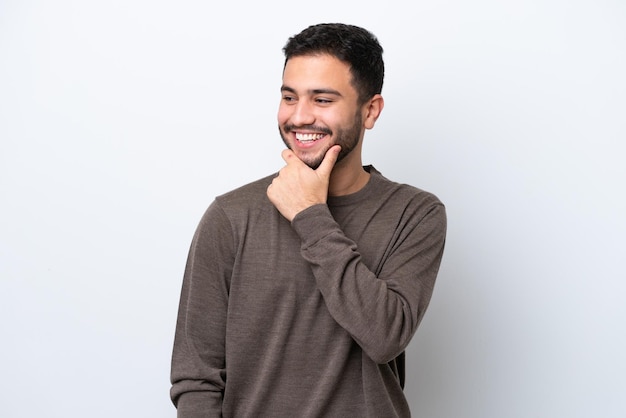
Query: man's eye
x,y
289,98
323,101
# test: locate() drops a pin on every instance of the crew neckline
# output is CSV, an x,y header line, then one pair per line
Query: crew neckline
x,y
349,199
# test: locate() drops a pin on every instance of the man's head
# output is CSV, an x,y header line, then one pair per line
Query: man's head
x,y
332,80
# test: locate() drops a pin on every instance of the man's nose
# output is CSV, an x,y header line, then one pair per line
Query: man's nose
x,y
303,114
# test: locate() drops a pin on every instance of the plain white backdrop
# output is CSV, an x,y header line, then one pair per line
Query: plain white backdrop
x,y
121,120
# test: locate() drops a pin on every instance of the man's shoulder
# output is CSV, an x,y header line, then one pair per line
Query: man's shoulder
x,y
402,191
249,194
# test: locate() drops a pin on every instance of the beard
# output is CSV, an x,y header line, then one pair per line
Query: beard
x,y
347,137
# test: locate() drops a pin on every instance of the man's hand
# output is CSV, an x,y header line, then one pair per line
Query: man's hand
x,y
298,186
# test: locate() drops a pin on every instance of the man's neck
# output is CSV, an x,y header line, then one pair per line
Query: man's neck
x,y
347,179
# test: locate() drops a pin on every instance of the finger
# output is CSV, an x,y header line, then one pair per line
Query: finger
x,y
287,154
326,167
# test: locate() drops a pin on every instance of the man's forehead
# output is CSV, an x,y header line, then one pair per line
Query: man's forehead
x,y
317,73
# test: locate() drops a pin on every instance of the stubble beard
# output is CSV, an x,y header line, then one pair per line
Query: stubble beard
x,y
348,139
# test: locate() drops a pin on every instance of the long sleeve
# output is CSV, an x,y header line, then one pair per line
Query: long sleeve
x,y
379,306
198,360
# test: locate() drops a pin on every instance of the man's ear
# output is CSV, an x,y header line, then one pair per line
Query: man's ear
x,y
373,107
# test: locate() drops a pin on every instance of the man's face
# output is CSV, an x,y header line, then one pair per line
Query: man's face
x,y
318,108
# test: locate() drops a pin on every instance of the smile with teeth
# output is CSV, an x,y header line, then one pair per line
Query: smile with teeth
x,y
307,138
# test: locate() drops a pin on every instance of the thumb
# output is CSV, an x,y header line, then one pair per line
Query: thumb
x,y
326,167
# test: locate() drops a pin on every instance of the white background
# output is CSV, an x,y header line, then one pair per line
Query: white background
x,y
121,120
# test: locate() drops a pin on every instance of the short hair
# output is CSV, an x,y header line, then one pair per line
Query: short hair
x,y
351,44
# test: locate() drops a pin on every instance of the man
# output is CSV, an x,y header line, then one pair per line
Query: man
x,y
303,289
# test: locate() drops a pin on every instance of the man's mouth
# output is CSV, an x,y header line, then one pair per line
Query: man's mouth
x,y
308,138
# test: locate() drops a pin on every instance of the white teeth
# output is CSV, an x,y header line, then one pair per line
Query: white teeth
x,y
308,137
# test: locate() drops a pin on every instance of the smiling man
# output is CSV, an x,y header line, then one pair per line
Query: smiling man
x,y
303,289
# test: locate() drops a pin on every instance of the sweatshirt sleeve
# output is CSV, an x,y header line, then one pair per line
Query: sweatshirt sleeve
x,y
380,311
198,366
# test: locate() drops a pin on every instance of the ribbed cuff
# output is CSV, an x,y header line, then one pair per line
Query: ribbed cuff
x,y
313,224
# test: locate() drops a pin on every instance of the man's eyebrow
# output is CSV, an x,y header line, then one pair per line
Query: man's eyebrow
x,y
326,91
312,91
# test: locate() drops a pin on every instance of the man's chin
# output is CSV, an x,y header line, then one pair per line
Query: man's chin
x,y
314,163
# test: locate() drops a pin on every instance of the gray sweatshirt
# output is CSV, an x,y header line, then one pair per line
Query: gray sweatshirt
x,y
309,318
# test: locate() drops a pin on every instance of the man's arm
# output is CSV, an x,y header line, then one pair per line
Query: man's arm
x,y
381,310
198,367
